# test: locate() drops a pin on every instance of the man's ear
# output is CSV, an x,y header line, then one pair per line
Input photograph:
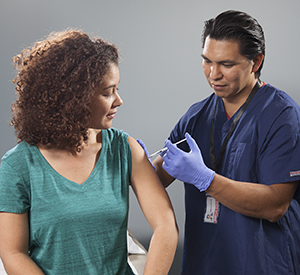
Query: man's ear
x,y
257,62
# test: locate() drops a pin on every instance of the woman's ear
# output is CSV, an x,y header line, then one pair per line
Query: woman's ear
x,y
257,62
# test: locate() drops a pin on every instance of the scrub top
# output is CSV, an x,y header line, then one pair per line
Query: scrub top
x,y
264,148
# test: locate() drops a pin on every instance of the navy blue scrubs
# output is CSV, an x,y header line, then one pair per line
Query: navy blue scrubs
x,y
264,149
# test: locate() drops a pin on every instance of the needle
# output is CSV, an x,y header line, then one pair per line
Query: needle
x,y
165,149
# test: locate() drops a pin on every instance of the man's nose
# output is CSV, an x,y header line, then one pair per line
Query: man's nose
x,y
215,72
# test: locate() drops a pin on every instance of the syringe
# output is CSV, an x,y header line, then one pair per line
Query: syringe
x,y
165,149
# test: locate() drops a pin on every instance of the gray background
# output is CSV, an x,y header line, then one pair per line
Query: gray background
x,y
161,73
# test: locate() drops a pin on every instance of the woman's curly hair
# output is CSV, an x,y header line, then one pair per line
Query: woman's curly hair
x,y
55,85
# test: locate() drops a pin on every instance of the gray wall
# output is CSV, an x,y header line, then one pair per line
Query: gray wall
x,y
161,73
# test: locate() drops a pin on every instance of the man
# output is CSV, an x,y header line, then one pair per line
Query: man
x,y
241,161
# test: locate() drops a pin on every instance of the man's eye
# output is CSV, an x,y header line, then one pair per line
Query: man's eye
x,y
227,65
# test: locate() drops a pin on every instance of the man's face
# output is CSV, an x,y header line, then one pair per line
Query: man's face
x,y
229,73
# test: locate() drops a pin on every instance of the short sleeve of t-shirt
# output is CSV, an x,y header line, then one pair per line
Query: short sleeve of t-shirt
x,y
14,194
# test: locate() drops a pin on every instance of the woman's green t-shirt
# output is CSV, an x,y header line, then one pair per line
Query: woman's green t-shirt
x,y
74,228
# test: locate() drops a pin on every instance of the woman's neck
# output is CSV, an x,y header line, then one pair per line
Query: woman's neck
x,y
94,143
94,137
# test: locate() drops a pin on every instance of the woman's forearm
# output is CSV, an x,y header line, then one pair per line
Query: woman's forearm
x,y
20,263
161,250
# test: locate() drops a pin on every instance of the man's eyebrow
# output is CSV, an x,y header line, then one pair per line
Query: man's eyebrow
x,y
222,61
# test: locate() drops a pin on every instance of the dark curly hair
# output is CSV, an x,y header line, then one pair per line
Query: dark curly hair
x,y
55,84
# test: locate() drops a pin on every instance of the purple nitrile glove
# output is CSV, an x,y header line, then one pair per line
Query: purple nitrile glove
x,y
188,167
140,142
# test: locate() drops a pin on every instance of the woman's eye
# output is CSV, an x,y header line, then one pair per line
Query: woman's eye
x,y
110,93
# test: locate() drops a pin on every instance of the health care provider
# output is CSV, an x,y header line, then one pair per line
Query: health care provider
x,y
64,187
241,162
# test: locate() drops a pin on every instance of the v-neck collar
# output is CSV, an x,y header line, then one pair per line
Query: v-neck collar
x,y
49,168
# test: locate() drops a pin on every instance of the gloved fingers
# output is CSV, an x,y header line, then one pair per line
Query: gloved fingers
x,y
169,161
191,142
173,162
171,155
168,169
172,147
165,166
142,144
166,158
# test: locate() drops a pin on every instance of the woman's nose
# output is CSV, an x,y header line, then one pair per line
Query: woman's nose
x,y
118,101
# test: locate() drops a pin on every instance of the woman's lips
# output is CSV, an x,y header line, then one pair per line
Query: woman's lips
x,y
112,115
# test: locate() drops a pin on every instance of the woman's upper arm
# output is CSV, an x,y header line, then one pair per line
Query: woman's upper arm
x,y
151,194
14,233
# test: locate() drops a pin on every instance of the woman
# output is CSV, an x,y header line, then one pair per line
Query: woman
x,y
64,187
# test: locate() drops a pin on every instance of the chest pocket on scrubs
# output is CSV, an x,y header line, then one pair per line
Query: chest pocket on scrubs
x,y
241,165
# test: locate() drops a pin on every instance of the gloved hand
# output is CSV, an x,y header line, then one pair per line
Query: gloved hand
x,y
188,167
140,142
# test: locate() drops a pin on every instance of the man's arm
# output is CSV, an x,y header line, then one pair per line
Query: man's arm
x,y
164,177
261,201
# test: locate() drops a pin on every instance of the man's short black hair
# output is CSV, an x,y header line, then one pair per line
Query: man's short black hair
x,y
239,27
